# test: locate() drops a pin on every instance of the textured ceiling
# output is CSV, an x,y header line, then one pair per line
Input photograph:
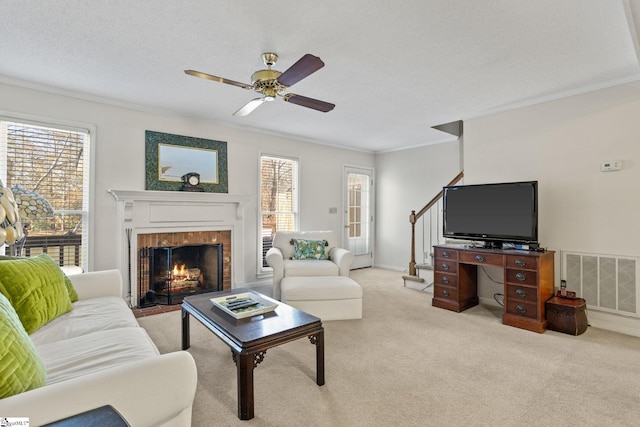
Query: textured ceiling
x,y
393,69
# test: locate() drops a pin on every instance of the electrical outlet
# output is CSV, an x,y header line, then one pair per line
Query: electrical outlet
x,y
611,165
333,210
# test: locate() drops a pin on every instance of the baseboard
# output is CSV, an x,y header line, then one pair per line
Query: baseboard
x,y
614,322
391,267
265,287
599,319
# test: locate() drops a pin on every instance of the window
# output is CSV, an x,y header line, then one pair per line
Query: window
x,y
52,162
278,199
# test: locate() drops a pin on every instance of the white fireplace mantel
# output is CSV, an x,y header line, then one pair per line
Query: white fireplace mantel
x,y
180,197
143,212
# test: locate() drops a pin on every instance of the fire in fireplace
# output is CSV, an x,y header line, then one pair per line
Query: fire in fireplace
x,y
178,271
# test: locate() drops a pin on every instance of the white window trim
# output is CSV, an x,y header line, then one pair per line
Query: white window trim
x,y
90,129
261,271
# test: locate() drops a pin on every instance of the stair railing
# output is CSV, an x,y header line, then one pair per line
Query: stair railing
x,y
416,216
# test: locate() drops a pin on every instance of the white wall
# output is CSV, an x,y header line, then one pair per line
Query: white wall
x,y
561,144
120,156
408,180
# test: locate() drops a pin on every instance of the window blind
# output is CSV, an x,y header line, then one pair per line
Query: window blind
x,y
54,163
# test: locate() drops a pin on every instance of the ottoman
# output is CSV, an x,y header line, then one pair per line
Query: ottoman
x,y
326,297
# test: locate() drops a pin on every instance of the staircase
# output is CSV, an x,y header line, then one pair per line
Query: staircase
x,y
426,225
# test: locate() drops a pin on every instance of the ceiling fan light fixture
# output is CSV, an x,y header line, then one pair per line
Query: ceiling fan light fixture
x,y
273,83
269,59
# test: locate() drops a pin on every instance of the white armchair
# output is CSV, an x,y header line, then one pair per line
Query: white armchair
x,y
279,257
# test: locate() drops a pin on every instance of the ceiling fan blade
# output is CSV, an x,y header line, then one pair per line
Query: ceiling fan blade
x,y
305,66
217,79
249,107
314,104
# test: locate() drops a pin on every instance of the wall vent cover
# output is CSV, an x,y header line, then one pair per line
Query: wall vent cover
x,y
606,282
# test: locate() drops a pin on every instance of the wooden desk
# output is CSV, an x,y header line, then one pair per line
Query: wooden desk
x,y
528,282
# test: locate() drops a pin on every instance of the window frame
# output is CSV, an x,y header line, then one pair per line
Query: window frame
x,y
88,171
262,270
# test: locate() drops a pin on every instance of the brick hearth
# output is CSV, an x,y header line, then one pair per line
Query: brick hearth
x,y
156,309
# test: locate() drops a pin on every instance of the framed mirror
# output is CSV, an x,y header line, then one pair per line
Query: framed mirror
x,y
168,157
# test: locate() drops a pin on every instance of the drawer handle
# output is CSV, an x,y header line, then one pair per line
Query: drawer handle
x,y
520,263
445,279
521,293
445,266
445,254
479,258
521,276
521,309
445,292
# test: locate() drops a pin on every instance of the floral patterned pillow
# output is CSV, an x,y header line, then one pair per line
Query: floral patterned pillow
x,y
309,249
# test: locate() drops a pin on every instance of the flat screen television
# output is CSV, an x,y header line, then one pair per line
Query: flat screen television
x,y
492,213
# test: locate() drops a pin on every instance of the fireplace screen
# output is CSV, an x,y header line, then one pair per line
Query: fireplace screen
x,y
179,271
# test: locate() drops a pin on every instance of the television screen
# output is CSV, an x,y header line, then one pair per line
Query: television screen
x,y
505,212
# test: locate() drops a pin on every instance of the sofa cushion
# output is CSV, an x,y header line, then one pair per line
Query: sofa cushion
x,y
309,249
88,316
75,357
20,367
305,267
36,289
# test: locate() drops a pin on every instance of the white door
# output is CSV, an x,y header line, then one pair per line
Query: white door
x,y
358,214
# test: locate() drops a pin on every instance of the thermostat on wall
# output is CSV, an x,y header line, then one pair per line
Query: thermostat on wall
x,y
612,165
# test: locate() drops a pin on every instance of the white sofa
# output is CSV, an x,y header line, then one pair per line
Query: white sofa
x,y
279,258
98,355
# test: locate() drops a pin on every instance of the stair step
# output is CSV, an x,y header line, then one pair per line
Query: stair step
x,y
413,278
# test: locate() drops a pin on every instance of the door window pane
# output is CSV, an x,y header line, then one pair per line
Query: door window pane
x,y
359,215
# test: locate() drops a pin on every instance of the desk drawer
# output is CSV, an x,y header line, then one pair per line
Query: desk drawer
x,y
522,277
445,292
522,262
481,258
445,266
524,293
446,253
445,279
522,308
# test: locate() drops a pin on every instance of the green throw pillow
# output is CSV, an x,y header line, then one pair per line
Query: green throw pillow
x,y
20,367
67,282
73,296
36,289
309,249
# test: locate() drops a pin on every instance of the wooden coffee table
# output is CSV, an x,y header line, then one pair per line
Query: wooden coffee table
x,y
250,338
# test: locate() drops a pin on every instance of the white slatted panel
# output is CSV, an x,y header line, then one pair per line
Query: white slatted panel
x,y
606,282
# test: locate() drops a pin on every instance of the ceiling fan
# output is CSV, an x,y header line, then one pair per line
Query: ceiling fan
x,y
271,83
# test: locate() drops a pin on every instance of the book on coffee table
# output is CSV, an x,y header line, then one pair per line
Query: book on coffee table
x,y
243,305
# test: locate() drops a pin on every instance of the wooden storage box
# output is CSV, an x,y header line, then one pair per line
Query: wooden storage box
x,y
567,315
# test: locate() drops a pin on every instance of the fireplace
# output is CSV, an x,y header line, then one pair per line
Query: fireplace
x,y
147,219
178,271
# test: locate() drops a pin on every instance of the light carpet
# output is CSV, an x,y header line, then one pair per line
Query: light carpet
x,y
407,363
